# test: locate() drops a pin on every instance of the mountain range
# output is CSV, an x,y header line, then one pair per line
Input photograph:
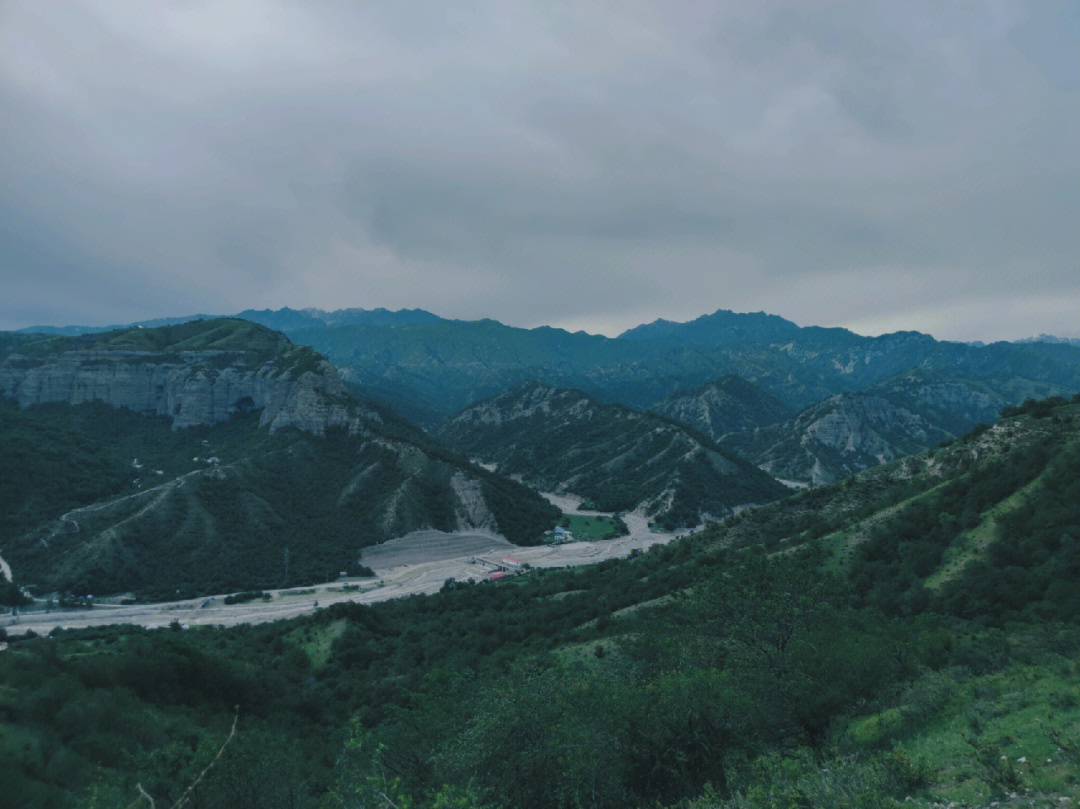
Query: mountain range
x,y
428,368
781,394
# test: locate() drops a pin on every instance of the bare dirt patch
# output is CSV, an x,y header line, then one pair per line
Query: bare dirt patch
x,y
430,546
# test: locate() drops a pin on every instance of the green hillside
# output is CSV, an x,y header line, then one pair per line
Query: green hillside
x,y
761,663
82,519
101,499
616,458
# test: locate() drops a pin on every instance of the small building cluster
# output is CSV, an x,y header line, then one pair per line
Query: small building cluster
x,y
558,536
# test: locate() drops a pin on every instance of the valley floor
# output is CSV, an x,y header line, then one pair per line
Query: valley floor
x,y
404,567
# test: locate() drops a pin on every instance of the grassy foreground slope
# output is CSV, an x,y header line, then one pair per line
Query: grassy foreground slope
x,y
764,662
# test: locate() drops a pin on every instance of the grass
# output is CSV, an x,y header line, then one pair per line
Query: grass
x,y
840,545
590,528
317,641
972,544
1019,713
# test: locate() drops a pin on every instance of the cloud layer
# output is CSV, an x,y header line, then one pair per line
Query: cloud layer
x,y
881,166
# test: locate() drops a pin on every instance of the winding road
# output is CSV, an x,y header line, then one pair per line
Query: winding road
x,y
412,574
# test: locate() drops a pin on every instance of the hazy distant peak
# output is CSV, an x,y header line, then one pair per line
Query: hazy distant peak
x,y
1049,338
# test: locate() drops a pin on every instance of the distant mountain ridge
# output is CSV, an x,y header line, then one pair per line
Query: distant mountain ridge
x,y
278,319
427,367
722,326
1047,338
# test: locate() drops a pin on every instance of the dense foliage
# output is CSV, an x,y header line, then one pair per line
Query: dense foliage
x,y
996,541
746,666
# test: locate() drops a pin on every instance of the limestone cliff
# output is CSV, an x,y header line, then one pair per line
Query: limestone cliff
x,y
219,503
292,385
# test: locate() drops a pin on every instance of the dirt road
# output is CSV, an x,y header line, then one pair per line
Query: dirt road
x,y
409,576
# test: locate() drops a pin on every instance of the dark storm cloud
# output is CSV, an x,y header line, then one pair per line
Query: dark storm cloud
x,y
592,165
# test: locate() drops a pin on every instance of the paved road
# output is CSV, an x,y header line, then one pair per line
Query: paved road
x,y
403,580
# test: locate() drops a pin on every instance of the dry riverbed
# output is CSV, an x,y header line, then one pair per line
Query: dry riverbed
x,y
416,564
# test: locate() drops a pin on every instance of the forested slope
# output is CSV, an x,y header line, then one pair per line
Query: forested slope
x,y
617,458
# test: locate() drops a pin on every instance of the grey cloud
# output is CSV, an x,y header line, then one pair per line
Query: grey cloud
x,y
583,164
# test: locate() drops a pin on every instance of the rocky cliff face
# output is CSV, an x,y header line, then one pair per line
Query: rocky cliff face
x,y
906,414
187,391
839,437
291,385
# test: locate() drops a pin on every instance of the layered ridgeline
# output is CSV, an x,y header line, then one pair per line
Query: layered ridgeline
x,y
436,367
850,432
214,455
725,406
429,368
616,458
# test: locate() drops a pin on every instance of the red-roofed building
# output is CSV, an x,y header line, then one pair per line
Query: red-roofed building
x,y
510,561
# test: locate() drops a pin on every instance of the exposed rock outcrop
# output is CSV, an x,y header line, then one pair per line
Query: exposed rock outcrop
x,y
291,385
186,391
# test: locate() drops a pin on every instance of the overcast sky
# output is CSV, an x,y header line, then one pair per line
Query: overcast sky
x,y
873,165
